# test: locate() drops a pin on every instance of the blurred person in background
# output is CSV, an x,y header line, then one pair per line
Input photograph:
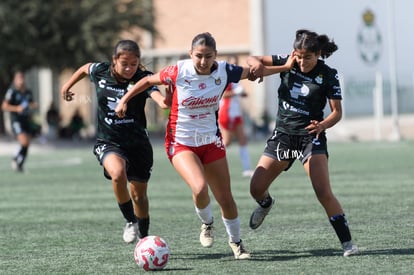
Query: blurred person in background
x,y
20,103
53,121
231,120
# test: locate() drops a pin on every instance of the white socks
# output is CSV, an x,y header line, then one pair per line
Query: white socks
x,y
206,214
232,229
232,226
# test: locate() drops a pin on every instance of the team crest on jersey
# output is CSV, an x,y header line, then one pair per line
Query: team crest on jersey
x,y
218,81
130,85
319,79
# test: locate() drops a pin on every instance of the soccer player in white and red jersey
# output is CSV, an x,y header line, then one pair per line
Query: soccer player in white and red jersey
x,y
193,141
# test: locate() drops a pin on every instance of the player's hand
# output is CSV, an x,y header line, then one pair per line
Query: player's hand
x,y
67,95
315,127
168,95
291,60
256,72
121,109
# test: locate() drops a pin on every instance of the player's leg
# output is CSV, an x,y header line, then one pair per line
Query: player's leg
x,y
218,178
20,157
141,206
21,130
190,168
267,170
140,163
115,167
317,168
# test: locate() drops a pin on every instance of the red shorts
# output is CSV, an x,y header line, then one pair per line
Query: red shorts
x,y
207,153
230,123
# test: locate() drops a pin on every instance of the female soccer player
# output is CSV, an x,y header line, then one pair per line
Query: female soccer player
x,y
19,102
193,142
300,128
122,145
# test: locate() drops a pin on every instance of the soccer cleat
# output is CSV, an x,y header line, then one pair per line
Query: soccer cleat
x,y
16,167
206,235
240,253
130,232
349,249
259,215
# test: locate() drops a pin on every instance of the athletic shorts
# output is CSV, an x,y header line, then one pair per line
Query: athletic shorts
x,y
207,153
139,160
284,147
230,123
22,126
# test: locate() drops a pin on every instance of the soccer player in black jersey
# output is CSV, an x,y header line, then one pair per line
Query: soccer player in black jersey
x,y
300,128
122,145
20,103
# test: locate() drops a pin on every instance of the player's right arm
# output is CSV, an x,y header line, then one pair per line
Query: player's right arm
x,y
139,87
263,65
77,75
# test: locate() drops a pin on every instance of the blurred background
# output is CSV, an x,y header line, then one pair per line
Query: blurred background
x,y
50,39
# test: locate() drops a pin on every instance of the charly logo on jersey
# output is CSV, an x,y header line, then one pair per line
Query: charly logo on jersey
x,y
299,90
218,81
101,83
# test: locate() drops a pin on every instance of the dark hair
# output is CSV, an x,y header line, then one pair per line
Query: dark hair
x,y
205,39
313,42
126,46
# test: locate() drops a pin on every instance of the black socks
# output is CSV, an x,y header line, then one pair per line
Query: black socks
x,y
127,210
266,202
340,224
143,226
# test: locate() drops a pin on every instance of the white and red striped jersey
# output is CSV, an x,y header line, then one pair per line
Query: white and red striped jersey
x,y
195,103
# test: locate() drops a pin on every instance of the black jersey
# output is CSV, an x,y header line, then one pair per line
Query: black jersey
x,y
16,98
124,132
303,96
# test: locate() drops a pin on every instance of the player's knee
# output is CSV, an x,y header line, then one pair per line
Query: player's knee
x,y
118,176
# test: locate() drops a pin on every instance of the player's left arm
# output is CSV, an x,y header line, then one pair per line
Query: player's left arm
x,y
335,115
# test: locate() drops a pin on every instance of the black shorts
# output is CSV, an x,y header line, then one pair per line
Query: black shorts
x,y
24,126
139,160
284,147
